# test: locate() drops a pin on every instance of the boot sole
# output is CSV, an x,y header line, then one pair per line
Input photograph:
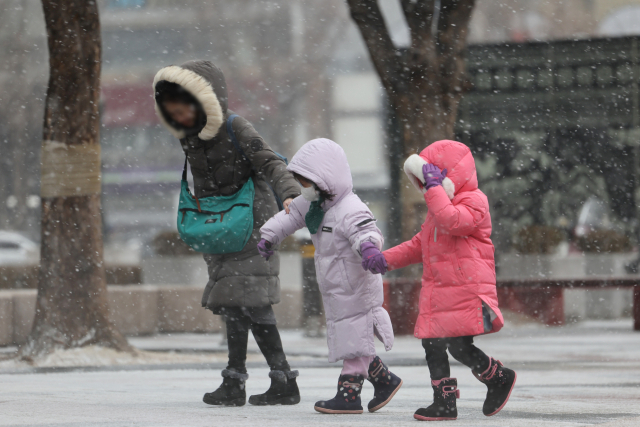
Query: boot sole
x,y
375,408
515,377
421,418
234,402
291,400
335,411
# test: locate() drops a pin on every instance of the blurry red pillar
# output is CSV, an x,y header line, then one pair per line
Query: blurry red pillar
x,y
544,303
401,300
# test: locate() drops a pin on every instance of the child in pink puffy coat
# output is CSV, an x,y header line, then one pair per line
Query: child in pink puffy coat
x,y
458,299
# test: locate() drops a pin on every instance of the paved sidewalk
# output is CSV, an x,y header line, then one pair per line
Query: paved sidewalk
x,y
586,374
173,398
580,346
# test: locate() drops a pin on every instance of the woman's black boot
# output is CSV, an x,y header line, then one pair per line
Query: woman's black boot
x,y
231,392
283,390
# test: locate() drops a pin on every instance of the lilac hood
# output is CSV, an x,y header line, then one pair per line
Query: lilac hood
x,y
325,163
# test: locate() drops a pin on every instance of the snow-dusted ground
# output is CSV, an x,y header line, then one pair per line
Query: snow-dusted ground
x,y
173,398
579,375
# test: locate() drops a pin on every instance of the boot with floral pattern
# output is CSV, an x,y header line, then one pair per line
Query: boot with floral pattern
x,y
347,400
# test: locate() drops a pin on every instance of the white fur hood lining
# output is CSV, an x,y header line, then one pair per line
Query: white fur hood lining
x,y
202,90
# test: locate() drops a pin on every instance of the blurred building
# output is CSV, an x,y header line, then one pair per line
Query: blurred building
x,y
23,75
540,20
296,69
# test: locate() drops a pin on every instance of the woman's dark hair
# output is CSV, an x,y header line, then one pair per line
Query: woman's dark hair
x,y
172,92
323,194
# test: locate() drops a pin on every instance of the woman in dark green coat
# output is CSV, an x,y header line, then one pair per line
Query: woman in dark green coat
x,y
191,101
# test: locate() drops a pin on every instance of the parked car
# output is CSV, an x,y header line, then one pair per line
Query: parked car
x,y
17,249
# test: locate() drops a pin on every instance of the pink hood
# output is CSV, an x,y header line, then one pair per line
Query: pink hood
x,y
457,159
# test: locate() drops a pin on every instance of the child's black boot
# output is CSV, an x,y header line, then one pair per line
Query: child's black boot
x,y
500,382
347,400
385,383
231,392
283,390
443,408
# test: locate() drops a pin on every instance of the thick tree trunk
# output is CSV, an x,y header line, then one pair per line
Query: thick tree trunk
x,y
71,308
426,116
424,83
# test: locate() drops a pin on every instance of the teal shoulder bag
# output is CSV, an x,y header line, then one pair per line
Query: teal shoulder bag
x,y
217,224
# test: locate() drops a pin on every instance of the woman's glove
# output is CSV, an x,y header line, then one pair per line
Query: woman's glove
x,y
372,258
264,247
432,175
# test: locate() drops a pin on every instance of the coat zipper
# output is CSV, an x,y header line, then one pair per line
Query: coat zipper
x,y
435,234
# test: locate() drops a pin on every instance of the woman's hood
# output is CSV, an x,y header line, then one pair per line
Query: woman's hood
x,y
451,155
206,83
325,163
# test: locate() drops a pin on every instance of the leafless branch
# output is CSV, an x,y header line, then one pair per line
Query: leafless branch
x,y
368,16
453,27
419,16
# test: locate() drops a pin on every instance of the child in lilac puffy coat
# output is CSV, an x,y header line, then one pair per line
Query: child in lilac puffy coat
x,y
344,233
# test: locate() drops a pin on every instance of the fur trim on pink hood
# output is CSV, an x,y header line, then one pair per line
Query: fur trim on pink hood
x,y
459,276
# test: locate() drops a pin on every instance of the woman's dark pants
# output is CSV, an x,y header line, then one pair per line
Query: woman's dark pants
x,y
266,335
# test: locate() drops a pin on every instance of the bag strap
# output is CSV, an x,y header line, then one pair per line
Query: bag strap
x,y
184,169
235,144
184,178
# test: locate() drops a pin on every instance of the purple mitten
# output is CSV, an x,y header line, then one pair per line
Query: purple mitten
x,y
432,175
372,258
264,247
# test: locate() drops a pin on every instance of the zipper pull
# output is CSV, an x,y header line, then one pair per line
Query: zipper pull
x,y
435,234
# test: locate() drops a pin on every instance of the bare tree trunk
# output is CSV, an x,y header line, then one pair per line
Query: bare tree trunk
x,y
72,306
425,82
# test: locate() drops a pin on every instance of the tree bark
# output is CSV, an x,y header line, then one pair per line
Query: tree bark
x,y
424,83
72,308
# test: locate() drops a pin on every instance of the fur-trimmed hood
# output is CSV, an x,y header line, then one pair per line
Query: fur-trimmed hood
x,y
451,155
206,83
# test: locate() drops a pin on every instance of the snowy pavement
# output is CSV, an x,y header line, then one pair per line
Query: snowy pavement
x,y
579,375
173,398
